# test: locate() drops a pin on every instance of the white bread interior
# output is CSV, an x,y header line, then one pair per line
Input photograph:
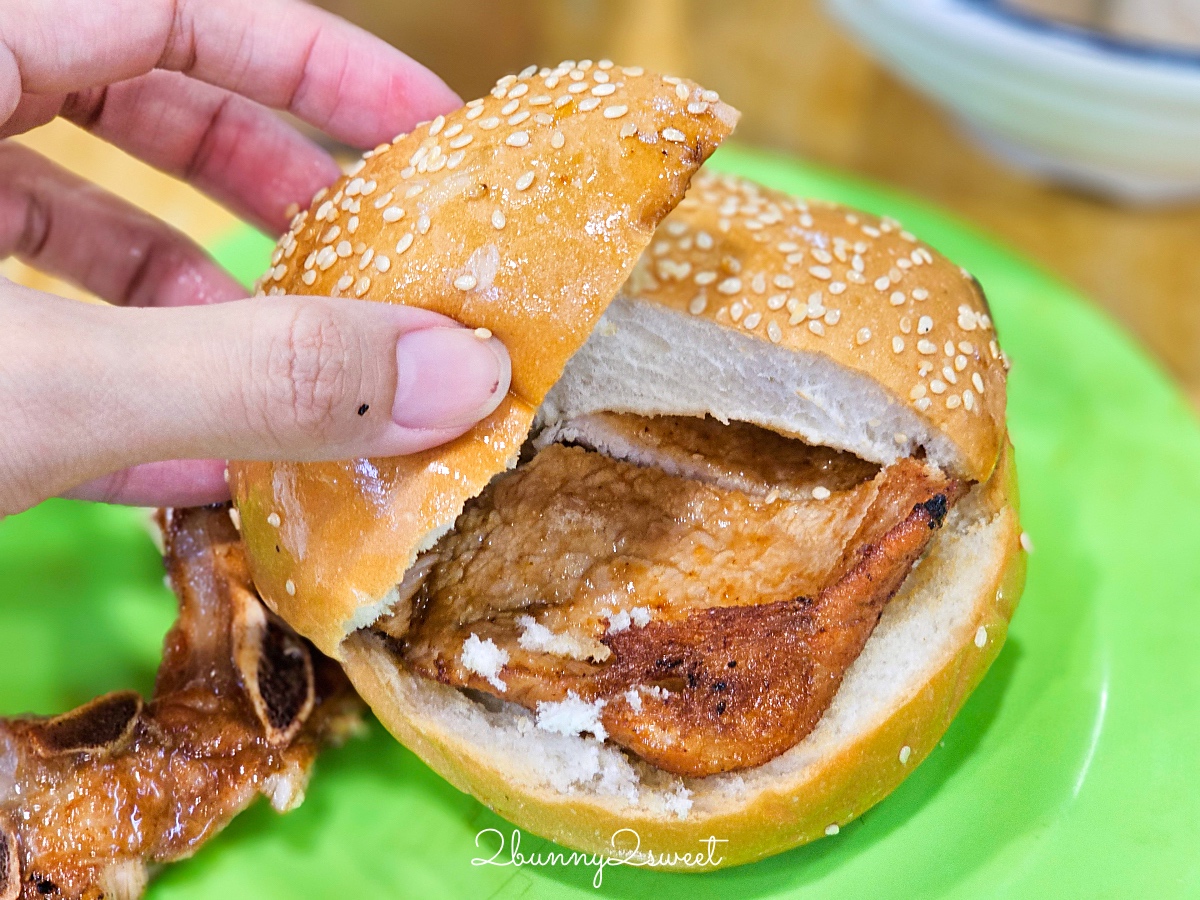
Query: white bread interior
x,y
651,359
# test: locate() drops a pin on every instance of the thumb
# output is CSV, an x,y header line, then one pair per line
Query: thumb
x,y
90,390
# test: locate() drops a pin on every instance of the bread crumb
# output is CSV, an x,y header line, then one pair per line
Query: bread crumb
x,y
831,830
981,637
621,620
905,753
485,659
571,716
679,801
538,638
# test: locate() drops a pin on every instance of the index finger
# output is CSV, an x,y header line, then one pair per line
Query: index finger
x,y
282,53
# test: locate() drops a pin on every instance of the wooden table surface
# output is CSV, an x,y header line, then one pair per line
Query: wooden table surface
x,y
803,88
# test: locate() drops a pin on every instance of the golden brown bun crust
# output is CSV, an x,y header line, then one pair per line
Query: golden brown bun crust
x,y
522,213
794,809
823,278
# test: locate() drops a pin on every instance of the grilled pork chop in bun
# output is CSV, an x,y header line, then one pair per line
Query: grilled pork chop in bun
x,y
742,538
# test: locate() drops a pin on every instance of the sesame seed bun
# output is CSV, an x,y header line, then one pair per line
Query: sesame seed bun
x,y
861,337
523,213
808,319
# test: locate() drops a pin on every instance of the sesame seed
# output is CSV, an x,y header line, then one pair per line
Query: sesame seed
x,y
674,134
948,348
905,753
589,103
1026,542
981,637
948,374
518,118
562,101
290,587
404,243
897,344
697,107
520,90
924,325
517,139
752,320
368,254
977,380
465,282
919,390
344,249
831,830
953,401
393,214
309,277
730,286
498,219
882,283
509,108
422,224
783,281
461,141
628,130
615,112
540,100
603,90
681,91
820,492
821,272
382,263
326,258
787,247
557,140
736,310
937,386
331,234
489,123
822,256
897,298
816,328
474,113
455,158
864,335
484,334
837,287
776,301
968,399
633,71
833,316
924,403
698,304
758,283
926,347
774,332
703,278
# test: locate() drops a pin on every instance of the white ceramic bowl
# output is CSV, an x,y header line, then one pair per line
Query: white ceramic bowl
x,y
1102,114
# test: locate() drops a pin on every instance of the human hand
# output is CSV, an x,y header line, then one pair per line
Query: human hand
x,y
96,398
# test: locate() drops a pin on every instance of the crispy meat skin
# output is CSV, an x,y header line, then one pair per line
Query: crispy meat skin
x,y
788,590
240,707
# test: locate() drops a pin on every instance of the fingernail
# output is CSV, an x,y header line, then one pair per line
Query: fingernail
x,y
448,377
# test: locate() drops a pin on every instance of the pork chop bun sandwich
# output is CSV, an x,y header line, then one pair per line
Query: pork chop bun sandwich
x,y
742,537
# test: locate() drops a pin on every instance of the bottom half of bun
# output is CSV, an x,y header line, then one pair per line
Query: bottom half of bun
x,y
934,643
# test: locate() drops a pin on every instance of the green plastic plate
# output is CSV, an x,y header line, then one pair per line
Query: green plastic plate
x,y
1071,772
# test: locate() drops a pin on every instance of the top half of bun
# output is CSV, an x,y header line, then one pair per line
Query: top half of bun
x,y
523,212
807,318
